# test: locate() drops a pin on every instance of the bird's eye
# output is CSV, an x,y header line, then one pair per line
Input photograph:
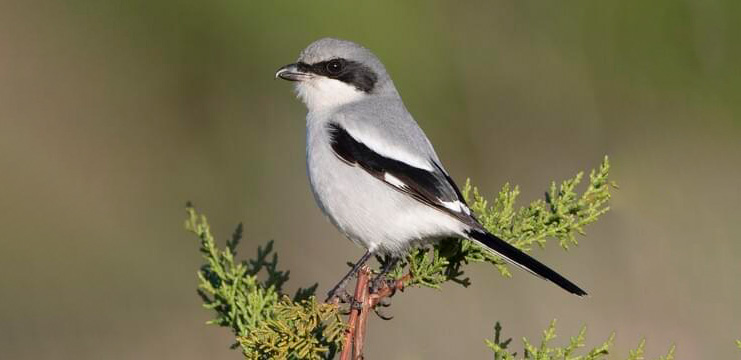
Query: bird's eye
x,y
334,67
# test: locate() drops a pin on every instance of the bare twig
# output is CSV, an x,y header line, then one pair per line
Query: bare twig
x,y
363,303
352,321
363,318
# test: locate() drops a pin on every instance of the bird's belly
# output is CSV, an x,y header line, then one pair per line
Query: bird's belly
x,y
369,211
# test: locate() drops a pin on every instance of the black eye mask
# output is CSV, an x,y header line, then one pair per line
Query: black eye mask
x,y
347,71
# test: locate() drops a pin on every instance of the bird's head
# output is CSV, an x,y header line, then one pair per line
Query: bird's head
x,y
332,72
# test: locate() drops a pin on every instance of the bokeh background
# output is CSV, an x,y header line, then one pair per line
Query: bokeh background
x,y
114,113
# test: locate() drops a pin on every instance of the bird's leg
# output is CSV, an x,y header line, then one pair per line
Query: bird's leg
x,y
388,264
339,290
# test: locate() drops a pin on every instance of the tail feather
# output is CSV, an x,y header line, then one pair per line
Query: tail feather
x,y
525,261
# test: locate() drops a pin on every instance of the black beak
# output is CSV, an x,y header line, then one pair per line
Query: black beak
x,y
291,72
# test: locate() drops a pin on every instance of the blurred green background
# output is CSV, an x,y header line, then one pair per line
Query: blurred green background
x,y
114,113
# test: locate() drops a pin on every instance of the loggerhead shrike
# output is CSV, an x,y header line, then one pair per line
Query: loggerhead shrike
x,y
372,170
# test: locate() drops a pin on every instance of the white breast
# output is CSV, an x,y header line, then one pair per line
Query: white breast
x,y
364,208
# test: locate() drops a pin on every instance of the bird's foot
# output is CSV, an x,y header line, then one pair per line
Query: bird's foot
x,y
382,314
339,295
383,303
380,282
339,289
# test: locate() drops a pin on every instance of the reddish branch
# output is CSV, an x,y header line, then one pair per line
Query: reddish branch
x,y
365,308
364,302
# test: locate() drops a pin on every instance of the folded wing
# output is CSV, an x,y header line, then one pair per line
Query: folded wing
x,y
431,186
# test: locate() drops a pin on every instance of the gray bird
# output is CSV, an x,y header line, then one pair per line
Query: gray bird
x,y
372,170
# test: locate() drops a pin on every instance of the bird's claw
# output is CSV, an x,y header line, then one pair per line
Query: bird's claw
x,y
381,314
380,282
339,294
385,302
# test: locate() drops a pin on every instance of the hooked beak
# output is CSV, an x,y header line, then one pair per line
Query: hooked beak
x,y
291,72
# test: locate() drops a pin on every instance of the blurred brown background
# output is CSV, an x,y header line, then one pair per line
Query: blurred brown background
x,y
114,113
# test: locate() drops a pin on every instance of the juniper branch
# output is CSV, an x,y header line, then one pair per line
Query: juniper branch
x,y
268,324
562,214
574,350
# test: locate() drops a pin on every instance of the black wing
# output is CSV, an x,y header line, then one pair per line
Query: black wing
x,y
434,188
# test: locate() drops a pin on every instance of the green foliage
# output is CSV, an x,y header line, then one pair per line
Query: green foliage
x,y
637,354
267,323
572,351
561,214
247,296
304,330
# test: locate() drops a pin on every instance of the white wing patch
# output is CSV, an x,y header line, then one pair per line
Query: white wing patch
x,y
456,206
393,180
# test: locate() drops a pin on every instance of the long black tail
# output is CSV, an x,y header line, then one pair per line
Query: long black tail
x,y
525,261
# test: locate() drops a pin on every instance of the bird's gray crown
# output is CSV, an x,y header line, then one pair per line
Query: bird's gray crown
x,y
356,65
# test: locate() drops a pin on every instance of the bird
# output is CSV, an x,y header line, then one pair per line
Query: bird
x,y
372,170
